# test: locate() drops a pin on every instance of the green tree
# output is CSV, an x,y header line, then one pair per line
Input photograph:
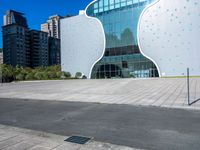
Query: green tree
x,y
20,77
30,75
78,75
7,73
58,75
66,74
38,76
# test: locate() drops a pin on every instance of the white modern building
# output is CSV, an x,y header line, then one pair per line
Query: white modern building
x,y
133,38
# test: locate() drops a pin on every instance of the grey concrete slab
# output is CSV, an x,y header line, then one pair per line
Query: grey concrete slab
x,y
166,92
6,136
151,128
35,140
10,141
24,145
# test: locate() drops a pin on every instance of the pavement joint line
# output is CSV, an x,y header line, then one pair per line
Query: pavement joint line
x,y
8,138
12,144
162,91
181,91
58,140
168,97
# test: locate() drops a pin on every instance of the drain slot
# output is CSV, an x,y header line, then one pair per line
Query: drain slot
x,y
78,139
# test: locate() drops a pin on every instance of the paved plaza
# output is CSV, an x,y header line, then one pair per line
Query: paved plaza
x,y
163,92
41,114
12,138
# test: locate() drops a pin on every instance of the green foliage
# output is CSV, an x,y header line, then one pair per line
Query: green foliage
x,y
6,73
66,74
78,75
45,76
38,75
20,73
84,77
58,74
132,75
30,76
52,74
20,77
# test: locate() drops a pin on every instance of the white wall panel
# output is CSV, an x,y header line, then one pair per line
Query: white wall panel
x,y
169,33
82,44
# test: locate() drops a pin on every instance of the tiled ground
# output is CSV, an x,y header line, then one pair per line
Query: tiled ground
x,y
12,138
164,92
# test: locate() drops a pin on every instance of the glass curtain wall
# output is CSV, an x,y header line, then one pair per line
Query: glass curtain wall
x,y
122,58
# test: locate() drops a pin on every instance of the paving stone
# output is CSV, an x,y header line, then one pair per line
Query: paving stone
x,y
10,141
24,145
32,140
155,91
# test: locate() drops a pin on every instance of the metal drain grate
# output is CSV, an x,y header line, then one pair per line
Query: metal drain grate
x,y
78,139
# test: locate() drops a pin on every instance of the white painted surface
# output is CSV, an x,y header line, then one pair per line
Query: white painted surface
x,y
169,33
82,44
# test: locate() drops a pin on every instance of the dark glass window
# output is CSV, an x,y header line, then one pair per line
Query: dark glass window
x,y
122,57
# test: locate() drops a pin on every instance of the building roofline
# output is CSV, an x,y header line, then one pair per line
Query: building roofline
x,y
20,13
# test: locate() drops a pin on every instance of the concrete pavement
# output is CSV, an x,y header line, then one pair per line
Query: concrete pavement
x,y
162,92
12,138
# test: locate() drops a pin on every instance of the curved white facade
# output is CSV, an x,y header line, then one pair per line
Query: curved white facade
x,y
82,44
169,33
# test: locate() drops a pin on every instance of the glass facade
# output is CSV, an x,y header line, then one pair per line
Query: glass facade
x,y
122,57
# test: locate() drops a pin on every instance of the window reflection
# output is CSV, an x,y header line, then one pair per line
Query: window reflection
x,y
122,56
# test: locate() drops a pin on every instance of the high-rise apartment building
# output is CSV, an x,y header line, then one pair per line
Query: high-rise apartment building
x,y
16,50
14,17
54,51
39,48
21,46
1,56
52,26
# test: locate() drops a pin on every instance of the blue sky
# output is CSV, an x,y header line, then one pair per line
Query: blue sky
x,y
38,11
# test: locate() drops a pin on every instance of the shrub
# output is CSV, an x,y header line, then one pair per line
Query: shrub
x,y
29,76
7,73
45,76
132,75
20,77
66,74
38,75
51,75
58,74
78,75
84,77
